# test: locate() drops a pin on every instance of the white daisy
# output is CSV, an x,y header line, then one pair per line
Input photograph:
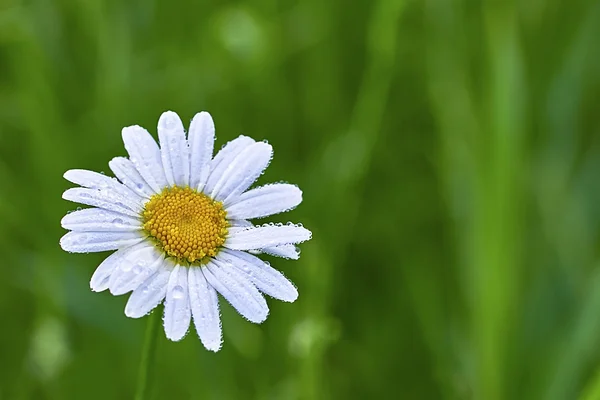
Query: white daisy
x,y
178,219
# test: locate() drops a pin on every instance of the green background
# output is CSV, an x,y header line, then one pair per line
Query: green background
x,y
449,154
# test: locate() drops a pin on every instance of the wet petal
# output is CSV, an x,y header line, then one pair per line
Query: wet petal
x,y
134,267
224,158
289,251
243,171
149,294
174,149
264,201
124,169
267,279
90,242
261,237
99,220
201,138
105,199
177,305
205,309
237,290
145,155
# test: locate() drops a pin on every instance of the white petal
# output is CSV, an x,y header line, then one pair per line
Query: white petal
x,y
100,182
177,305
145,155
205,309
264,201
99,220
266,236
100,198
174,149
149,294
89,242
124,169
224,158
243,171
201,138
237,290
285,251
134,267
239,223
101,276
268,280
110,187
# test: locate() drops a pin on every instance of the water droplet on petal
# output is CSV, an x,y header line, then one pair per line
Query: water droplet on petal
x,y
177,292
126,266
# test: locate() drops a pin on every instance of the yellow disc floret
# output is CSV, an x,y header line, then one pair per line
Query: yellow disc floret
x,y
186,224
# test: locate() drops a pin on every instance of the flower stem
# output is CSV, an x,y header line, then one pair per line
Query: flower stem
x,y
148,352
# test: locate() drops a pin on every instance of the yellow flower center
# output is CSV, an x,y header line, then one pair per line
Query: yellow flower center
x,y
187,224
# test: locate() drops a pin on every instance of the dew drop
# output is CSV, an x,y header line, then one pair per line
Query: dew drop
x,y
117,221
145,289
177,292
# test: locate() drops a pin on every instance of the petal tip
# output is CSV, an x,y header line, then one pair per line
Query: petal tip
x,y
175,338
213,346
68,175
131,131
130,313
169,120
203,115
65,241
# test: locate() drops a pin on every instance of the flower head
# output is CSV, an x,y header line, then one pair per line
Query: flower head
x,y
179,220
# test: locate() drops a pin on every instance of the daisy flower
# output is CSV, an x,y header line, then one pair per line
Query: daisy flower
x,y
179,222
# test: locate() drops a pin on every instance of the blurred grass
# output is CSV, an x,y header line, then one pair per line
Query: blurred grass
x,y
448,152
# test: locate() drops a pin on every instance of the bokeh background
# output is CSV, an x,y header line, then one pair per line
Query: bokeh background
x,y
449,153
